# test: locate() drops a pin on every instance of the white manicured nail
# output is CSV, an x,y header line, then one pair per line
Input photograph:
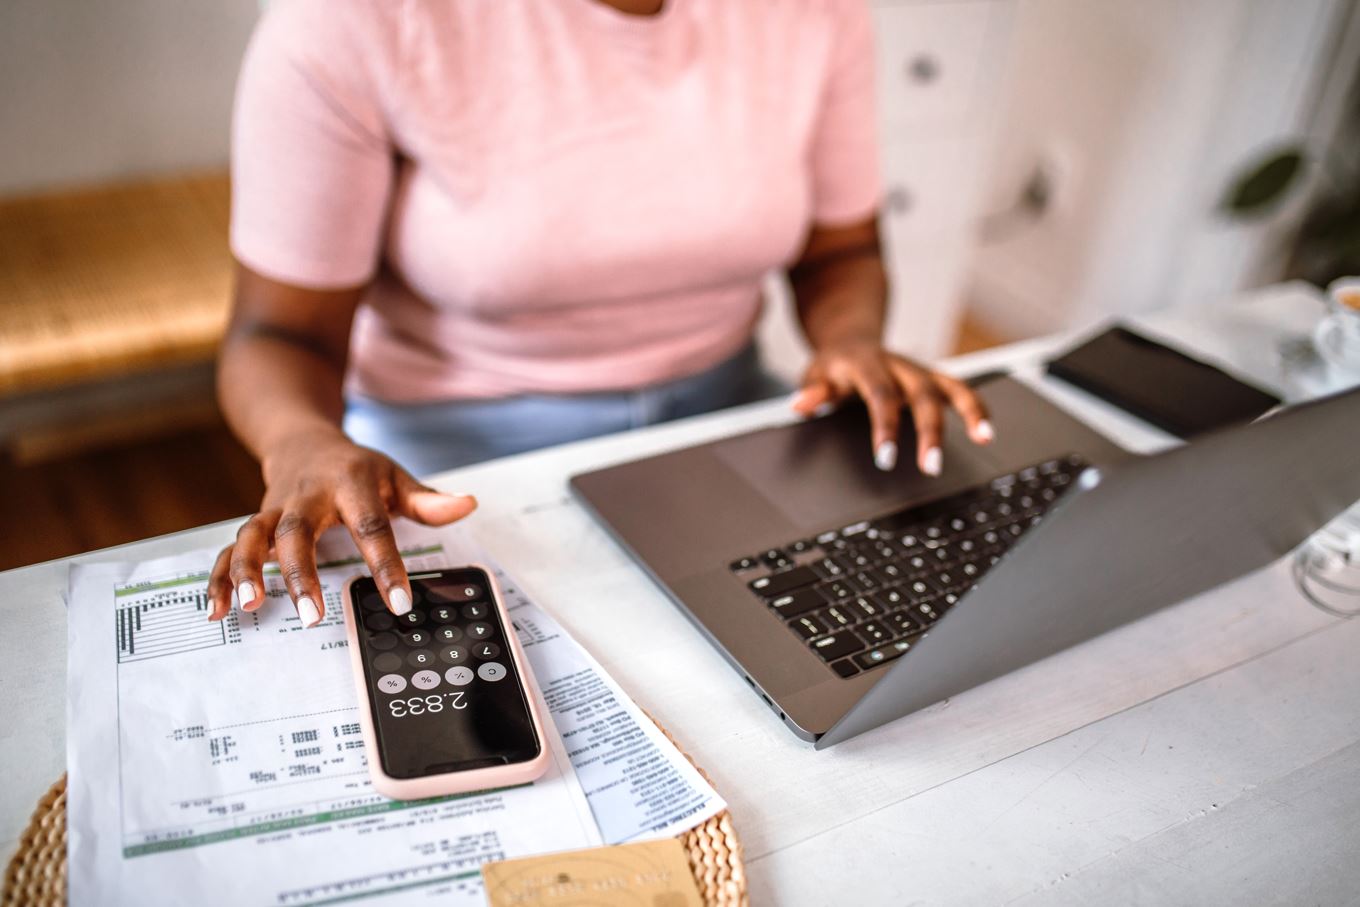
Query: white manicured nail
x,y
401,601
825,409
984,431
933,462
245,594
308,612
885,458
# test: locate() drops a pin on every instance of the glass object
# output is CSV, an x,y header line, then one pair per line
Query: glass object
x,y
1327,566
1337,338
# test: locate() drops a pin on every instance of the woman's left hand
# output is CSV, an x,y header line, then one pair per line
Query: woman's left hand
x,y
887,382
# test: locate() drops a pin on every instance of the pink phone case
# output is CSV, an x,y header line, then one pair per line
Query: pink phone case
x,y
450,782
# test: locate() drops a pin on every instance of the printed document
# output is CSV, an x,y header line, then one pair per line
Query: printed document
x,y
223,762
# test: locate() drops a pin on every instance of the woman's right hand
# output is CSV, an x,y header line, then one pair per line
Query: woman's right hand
x,y
313,481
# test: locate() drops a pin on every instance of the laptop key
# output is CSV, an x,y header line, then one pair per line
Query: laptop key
x,y
837,645
890,598
903,623
837,590
864,608
742,564
887,574
874,632
798,602
808,626
881,655
864,581
928,612
776,559
777,584
845,667
827,568
918,590
838,616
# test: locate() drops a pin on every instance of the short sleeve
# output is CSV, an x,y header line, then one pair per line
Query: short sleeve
x,y
844,159
311,163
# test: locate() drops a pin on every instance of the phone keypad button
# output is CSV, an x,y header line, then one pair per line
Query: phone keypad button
x,y
425,680
413,618
453,654
444,614
476,611
417,638
491,671
392,684
379,621
479,630
387,662
486,650
373,602
459,676
448,634
383,641
420,658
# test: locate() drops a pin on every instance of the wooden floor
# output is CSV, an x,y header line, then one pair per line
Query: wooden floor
x,y
133,491
121,494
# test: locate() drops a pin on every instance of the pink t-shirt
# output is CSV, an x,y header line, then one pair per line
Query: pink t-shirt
x,y
547,195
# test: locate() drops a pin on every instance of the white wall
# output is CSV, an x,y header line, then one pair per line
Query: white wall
x,y
94,90
1141,111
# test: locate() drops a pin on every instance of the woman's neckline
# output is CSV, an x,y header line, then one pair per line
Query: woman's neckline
x,y
614,17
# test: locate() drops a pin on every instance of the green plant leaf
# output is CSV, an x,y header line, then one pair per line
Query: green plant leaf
x,y
1260,187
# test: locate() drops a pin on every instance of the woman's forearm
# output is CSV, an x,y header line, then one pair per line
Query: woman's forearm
x,y
272,388
843,302
281,370
840,287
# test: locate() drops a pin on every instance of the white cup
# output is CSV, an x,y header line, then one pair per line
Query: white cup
x,y
1337,337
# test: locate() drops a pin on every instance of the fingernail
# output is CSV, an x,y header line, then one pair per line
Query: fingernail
x,y
796,398
825,409
401,601
984,431
308,612
245,594
885,457
933,462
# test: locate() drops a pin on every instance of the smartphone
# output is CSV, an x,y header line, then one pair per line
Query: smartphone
x,y
446,698
1162,386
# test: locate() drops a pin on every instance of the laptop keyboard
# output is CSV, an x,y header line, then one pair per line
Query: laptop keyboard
x,y
863,595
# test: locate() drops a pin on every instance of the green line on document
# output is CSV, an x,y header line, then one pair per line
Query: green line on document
x,y
191,578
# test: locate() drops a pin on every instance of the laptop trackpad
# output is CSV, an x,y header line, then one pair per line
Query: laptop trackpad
x,y
821,472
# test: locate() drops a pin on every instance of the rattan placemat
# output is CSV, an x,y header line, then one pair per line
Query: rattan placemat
x,y
36,875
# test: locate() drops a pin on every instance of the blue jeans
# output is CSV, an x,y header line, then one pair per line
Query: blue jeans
x,y
431,437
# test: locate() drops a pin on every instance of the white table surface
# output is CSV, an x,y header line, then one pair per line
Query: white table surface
x,y
1207,754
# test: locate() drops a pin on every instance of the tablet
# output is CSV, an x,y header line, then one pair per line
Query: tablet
x,y
1161,386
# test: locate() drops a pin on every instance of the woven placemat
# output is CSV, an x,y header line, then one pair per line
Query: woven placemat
x,y
36,875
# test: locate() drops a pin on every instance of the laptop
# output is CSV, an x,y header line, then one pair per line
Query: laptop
x,y
847,597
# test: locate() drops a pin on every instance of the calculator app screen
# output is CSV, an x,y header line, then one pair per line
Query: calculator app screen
x,y
446,695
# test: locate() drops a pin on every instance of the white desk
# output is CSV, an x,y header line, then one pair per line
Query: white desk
x,y
1207,754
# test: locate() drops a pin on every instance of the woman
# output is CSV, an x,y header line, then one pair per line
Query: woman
x,y
556,215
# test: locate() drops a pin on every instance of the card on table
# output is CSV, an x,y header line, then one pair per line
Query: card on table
x,y
626,875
